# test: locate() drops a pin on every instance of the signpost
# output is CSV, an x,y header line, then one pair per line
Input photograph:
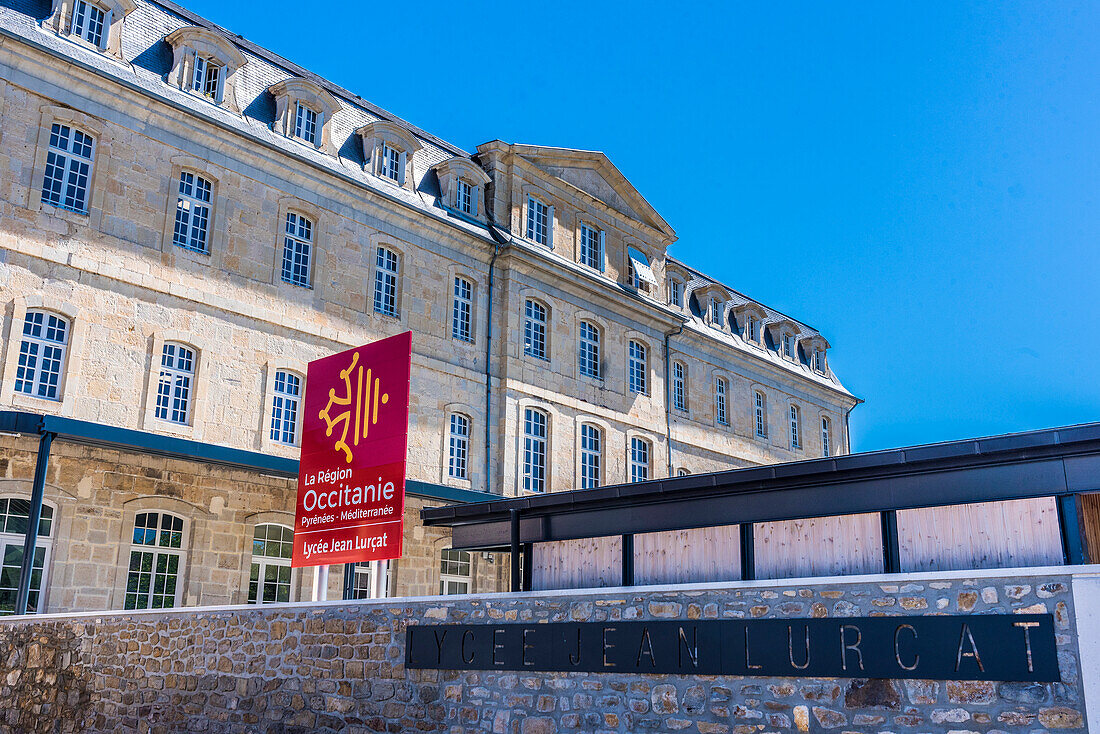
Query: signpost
x,y
351,478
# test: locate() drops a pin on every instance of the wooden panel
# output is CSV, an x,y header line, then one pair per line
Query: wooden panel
x,y
687,556
1090,522
577,564
819,546
980,535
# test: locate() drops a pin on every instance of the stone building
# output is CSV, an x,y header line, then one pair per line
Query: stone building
x,y
186,220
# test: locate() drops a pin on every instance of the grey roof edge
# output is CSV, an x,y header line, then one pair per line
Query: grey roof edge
x,y
128,439
301,71
984,450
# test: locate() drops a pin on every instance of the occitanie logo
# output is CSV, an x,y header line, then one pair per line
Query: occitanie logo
x,y
359,403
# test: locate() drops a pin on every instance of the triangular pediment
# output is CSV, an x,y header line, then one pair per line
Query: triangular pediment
x,y
593,173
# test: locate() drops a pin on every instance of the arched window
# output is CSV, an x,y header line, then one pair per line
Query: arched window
x,y
535,424
193,213
826,436
591,456
297,249
14,516
42,355
68,168
679,386
156,560
455,571
760,410
721,407
534,329
588,350
458,446
269,578
638,368
385,281
284,408
796,427
174,386
682,472
639,459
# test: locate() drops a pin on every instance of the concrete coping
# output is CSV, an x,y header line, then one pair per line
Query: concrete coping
x,y
1084,571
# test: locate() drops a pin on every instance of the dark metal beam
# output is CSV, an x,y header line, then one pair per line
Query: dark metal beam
x,y
628,560
891,548
748,552
30,539
1074,549
514,565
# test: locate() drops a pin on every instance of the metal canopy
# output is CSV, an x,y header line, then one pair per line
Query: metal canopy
x,y
1049,463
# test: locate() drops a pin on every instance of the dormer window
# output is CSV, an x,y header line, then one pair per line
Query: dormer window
x,y
90,23
639,274
814,347
819,361
460,182
305,124
716,312
204,63
388,151
304,111
787,345
752,330
676,293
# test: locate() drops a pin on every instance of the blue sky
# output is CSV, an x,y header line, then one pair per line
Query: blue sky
x,y
919,181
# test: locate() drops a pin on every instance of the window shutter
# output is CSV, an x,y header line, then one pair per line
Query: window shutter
x,y
198,68
401,168
73,30
550,227
221,84
475,193
103,37
601,251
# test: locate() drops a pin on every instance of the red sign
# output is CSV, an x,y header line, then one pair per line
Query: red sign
x,y
351,478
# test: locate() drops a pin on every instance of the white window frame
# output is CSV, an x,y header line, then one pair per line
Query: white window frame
x,y
70,161
591,456
42,359
591,247
462,310
640,456
262,562
716,312
826,436
540,222
465,200
387,275
371,579
536,436
83,23
795,414
679,386
10,536
307,123
391,163
721,401
535,319
752,330
458,446
176,384
819,361
158,549
675,293
194,204
637,371
298,236
760,413
451,578
208,79
588,350
286,407
786,345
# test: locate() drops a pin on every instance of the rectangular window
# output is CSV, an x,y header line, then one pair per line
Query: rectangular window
x,y
639,459
796,427
534,330
819,361
177,370
591,455
88,23
42,355
455,571
638,369
591,247
68,168
385,282
193,213
753,330
305,124
676,293
297,249
721,414
679,389
716,312
826,437
534,450
588,352
464,197
788,345
270,572
460,314
538,221
369,579
391,163
208,78
284,409
458,446
761,415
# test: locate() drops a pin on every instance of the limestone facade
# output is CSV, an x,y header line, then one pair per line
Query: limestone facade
x,y
396,220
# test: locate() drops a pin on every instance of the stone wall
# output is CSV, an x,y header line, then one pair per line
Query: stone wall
x,y
339,667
